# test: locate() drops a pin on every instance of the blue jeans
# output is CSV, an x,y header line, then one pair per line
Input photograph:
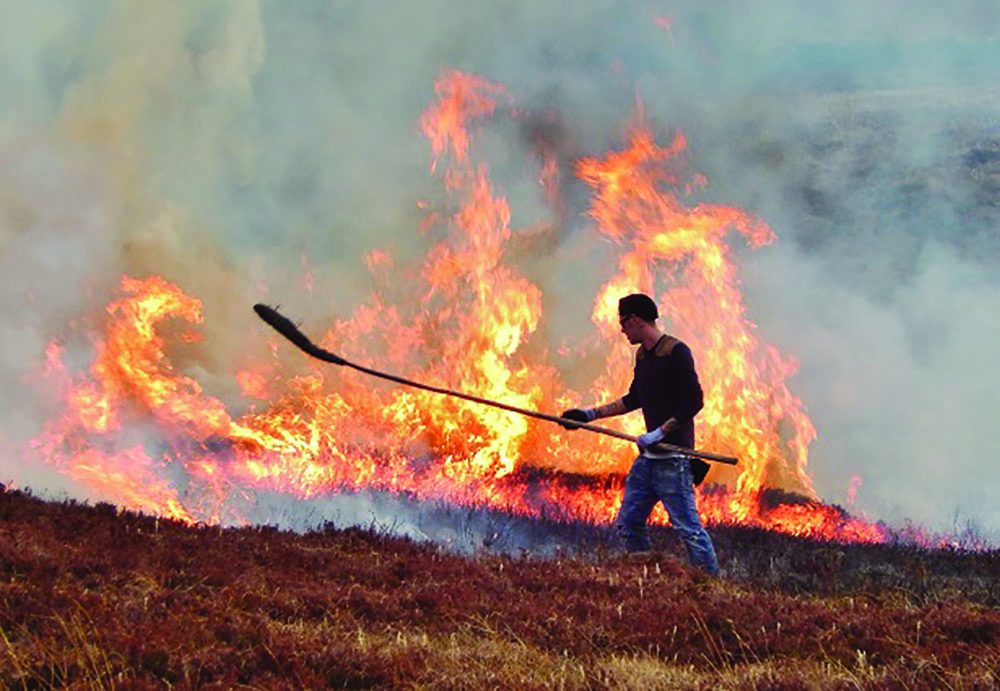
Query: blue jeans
x,y
667,480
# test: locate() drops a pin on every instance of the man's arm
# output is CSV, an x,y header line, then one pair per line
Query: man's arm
x,y
611,409
618,407
625,404
692,398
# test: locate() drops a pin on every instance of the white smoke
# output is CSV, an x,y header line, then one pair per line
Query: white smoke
x,y
228,144
902,390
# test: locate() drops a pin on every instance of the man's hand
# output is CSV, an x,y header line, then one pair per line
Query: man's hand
x,y
578,415
649,438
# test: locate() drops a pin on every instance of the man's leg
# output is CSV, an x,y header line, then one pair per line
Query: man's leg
x,y
638,502
672,479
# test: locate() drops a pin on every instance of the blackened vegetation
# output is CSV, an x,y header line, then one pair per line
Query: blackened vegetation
x,y
867,188
982,161
91,596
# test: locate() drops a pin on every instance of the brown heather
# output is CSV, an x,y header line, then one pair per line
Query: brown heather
x,y
94,598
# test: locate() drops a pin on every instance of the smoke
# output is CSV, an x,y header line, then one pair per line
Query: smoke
x,y
902,389
872,147
252,151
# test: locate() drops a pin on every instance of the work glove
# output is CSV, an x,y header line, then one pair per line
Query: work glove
x,y
578,415
649,438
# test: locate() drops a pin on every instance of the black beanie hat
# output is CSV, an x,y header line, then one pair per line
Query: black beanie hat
x,y
640,305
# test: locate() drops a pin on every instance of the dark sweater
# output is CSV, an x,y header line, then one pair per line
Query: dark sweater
x,y
665,385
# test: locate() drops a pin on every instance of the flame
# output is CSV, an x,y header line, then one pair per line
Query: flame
x,y
852,490
469,321
253,384
749,411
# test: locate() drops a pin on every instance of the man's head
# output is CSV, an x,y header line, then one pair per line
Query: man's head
x,y
639,305
637,315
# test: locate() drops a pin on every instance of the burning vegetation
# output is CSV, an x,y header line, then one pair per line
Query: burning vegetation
x,y
470,322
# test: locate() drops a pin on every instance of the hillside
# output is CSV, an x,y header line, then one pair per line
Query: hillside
x,y
95,598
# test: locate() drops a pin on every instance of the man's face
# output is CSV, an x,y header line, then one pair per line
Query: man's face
x,y
630,327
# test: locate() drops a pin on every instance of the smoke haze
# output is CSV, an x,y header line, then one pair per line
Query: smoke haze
x,y
258,150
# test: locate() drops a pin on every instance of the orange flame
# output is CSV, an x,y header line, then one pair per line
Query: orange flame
x,y
749,412
470,324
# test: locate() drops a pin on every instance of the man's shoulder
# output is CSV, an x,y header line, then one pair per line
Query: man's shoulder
x,y
663,348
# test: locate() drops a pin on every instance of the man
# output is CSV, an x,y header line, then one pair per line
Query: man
x,y
665,385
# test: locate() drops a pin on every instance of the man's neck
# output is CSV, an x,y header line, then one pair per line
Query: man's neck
x,y
650,337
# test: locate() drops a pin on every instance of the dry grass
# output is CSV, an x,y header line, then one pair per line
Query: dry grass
x,y
90,598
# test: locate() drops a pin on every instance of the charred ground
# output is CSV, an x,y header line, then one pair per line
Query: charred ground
x,y
94,597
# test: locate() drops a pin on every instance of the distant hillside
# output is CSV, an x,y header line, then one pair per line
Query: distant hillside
x,y
867,177
95,598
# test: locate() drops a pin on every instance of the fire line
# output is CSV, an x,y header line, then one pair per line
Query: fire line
x,y
470,294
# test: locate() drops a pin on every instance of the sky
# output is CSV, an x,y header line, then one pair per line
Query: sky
x,y
227,144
